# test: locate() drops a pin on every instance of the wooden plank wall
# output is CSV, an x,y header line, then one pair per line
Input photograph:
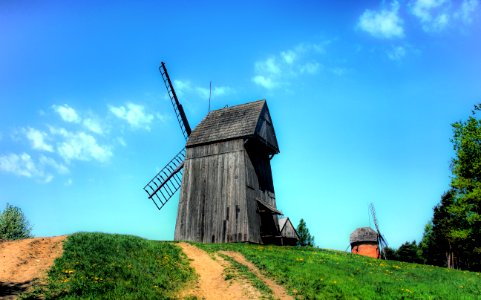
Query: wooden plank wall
x,y
220,188
212,206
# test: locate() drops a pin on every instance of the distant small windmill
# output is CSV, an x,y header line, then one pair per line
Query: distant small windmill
x,y
224,174
380,238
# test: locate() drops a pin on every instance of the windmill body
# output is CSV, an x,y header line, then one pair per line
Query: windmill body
x,y
227,192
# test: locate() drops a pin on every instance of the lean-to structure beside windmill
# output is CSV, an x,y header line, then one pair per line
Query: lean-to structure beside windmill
x,y
227,192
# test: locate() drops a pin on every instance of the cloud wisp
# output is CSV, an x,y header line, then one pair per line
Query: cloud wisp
x,y
54,149
38,139
134,115
437,15
184,87
24,165
276,70
79,146
67,113
385,23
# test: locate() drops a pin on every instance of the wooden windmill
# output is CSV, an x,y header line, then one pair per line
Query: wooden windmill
x,y
367,241
224,175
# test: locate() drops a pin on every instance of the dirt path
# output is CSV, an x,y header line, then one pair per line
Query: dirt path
x,y
23,261
278,291
211,283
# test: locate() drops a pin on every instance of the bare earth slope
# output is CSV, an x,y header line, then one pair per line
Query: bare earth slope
x,y
23,261
278,291
211,283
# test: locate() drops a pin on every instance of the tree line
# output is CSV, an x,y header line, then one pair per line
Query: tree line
x,y
452,238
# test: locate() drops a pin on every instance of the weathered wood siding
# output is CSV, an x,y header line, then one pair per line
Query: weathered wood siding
x,y
288,231
212,205
259,187
221,186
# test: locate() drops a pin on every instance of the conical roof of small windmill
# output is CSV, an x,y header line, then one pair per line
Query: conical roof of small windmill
x,y
240,121
363,234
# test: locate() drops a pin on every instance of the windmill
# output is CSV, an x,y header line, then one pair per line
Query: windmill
x,y
380,238
224,175
164,185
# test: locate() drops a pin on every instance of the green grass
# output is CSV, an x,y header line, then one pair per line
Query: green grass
x,y
112,266
312,273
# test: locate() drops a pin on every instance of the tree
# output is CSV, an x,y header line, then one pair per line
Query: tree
x,y
13,224
453,238
409,252
305,238
466,183
390,253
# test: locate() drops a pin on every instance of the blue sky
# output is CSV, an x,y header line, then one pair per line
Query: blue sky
x,y
362,95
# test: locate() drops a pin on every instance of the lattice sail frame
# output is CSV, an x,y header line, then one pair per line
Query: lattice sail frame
x,y
168,181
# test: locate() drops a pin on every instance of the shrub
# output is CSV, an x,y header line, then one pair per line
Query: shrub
x,y
13,224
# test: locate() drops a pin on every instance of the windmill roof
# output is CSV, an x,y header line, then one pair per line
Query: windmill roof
x,y
240,121
363,234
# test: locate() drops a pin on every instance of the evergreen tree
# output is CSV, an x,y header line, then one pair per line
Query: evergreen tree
x,y
305,238
409,252
13,224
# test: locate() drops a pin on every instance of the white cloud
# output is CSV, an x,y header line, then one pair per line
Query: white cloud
x,y
24,165
396,53
383,24
67,113
265,82
21,165
466,11
37,138
181,87
80,146
277,70
432,13
289,56
436,15
93,125
134,114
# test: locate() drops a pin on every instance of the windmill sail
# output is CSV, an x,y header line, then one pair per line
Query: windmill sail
x,y
178,109
381,240
164,185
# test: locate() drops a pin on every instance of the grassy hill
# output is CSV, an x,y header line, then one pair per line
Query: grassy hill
x,y
325,274
96,265
113,266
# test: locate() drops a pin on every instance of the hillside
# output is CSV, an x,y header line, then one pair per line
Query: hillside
x,y
95,265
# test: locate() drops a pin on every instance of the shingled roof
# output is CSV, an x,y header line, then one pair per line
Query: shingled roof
x,y
240,121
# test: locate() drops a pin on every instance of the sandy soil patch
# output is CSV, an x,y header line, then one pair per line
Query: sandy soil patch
x,y
23,261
